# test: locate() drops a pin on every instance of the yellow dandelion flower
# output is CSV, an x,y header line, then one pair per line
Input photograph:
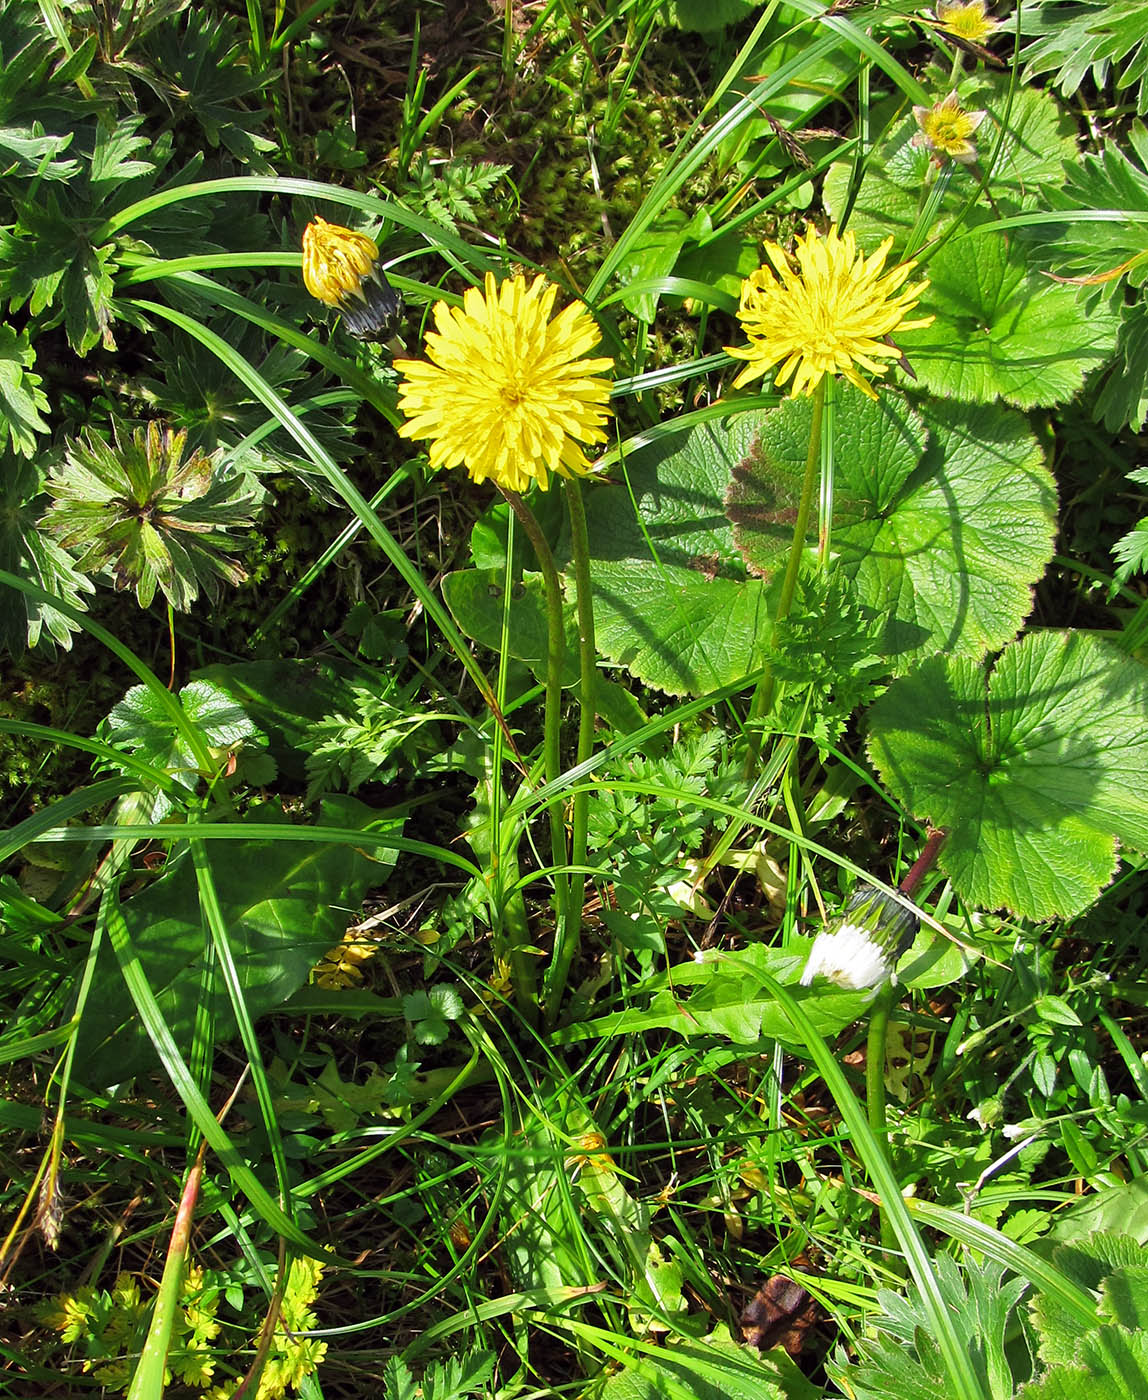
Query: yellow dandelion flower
x,y
341,269
946,129
506,393
965,19
829,316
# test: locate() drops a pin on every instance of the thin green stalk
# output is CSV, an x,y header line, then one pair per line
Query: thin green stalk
x,y
570,934
960,1374
555,656
512,926
875,1103
764,694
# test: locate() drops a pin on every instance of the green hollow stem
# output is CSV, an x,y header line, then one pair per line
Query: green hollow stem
x,y
876,1105
555,655
766,687
570,930
875,1102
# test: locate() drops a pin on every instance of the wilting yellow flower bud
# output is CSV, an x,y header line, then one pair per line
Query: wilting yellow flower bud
x,y
341,269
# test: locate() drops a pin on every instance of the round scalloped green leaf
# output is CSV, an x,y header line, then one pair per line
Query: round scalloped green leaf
x,y
944,517
1037,142
1003,330
1036,769
672,600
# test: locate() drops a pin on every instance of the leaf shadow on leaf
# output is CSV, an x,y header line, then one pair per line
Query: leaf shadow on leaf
x,y
672,600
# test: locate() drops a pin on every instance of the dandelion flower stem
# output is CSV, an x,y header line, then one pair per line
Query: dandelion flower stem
x,y
570,930
875,1103
555,654
763,696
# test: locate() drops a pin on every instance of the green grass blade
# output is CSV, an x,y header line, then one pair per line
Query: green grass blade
x,y
1039,1272
183,1081
958,1367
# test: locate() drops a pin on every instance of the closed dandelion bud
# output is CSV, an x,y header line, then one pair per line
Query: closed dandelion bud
x,y
341,269
862,948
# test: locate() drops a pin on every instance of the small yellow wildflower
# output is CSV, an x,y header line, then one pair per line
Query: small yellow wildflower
x,y
946,129
341,269
965,19
506,393
829,316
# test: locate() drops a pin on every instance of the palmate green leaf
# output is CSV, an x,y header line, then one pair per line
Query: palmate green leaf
x,y
1110,180
152,511
284,905
1036,769
1039,138
944,516
37,151
211,79
139,724
1096,35
672,600
1003,330
35,556
22,401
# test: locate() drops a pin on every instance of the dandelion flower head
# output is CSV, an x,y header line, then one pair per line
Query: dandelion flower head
x,y
861,950
965,19
946,129
341,269
829,315
504,391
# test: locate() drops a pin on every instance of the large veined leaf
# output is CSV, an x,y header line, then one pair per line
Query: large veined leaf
x,y
1038,139
1002,329
944,517
1036,768
672,600
284,904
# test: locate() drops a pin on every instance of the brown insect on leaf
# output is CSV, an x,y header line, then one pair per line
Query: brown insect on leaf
x,y
779,1314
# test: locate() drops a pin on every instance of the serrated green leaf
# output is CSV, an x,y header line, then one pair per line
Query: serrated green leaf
x,y
1124,1298
1110,180
1035,769
114,155
944,518
283,903
140,725
35,556
22,401
1003,330
672,600
1070,1383
1123,396
398,1381
1091,35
